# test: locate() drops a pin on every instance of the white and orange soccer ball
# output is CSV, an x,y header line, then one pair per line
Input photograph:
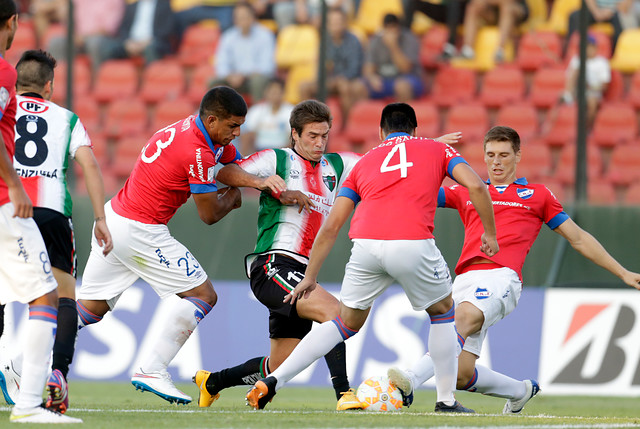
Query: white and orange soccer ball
x,y
378,395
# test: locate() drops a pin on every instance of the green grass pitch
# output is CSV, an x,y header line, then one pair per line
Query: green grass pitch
x,y
120,406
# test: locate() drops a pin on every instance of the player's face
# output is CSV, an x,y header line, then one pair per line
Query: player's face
x,y
223,131
501,162
311,143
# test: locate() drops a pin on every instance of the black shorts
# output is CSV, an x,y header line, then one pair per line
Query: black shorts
x,y
57,233
272,278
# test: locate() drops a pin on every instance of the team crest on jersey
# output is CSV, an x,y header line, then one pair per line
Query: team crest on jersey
x,y
329,182
482,293
219,153
33,106
4,97
524,193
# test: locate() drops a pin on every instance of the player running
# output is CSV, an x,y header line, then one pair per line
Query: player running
x,y
488,287
395,186
178,161
25,271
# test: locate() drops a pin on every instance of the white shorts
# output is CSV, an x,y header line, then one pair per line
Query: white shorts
x,y
141,251
416,265
25,270
495,292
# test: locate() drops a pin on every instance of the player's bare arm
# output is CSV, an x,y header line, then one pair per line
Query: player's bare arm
x,y
590,248
342,208
481,200
19,198
233,175
95,187
451,138
213,206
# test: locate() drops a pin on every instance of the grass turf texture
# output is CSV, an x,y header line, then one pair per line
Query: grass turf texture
x,y
119,405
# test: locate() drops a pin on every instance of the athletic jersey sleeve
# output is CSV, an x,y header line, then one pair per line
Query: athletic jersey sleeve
x,y
5,95
451,159
79,136
201,178
261,164
230,154
553,213
449,197
349,159
349,188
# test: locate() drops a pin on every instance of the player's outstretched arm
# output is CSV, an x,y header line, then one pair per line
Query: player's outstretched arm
x,y
21,203
451,138
233,175
590,248
322,245
95,187
481,200
213,206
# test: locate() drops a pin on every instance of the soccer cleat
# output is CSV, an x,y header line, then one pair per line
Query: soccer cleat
x,y
457,407
58,399
9,382
40,415
262,393
159,383
205,399
513,406
349,401
403,383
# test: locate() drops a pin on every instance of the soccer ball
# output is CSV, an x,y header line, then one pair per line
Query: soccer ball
x,y
378,395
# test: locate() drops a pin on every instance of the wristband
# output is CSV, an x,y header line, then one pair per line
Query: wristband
x,y
276,194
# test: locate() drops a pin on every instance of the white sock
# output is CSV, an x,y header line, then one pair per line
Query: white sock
x,y
421,371
36,354
493,383
180,322
442,348
313,346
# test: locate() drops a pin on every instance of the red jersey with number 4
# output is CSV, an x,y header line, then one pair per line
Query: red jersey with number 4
x,y
519,211
397,184
177,161
8,78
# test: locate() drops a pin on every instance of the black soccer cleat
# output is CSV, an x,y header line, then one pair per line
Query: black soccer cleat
x,y
457,407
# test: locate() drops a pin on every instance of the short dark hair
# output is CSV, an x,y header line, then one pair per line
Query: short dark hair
x,y
398,117
503,134
7,10
390,19
35,69
308,112
222,102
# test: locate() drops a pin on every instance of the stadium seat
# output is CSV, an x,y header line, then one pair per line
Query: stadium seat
x,y
539,49
88,111
297,44
336,112
536,162
116,79
559,16
603,42
561,125
81,81
198,45
601,193
632,196
502,85
371,12
125,117
24,39
615,123
474,155
547,87
199,82
472,119
626,56
100,149
453,85
431,45
565,171
485,49
615,90
126,153
522,117
169,111
162,80
364,121
298,73
624,166
633,95
428,118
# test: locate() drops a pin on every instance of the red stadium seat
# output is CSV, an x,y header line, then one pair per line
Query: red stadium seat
x,y
431,45
364,121
428,118
614,124
116,79
632,195
81,81
633,95
471,119
199,82
536,162
474,155
24,39
126,154
162,80
601,193
198,45
603,41
169,111
539,49
522,117
615,90
88,111
453,85
565,171
561,125
125,117
624,166
502,85
547,86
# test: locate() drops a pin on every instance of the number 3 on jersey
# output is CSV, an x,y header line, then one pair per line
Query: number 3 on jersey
x,y
160,144
403,165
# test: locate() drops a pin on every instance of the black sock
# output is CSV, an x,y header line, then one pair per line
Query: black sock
x,y
337,362
244,374
1,319
65,343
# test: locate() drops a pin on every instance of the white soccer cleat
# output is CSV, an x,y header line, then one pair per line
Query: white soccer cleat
x,y
9,382
40,415
403,382
515,406
159,383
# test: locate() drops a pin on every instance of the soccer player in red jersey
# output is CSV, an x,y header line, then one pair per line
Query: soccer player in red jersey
x,y
487,287
177,162
395,186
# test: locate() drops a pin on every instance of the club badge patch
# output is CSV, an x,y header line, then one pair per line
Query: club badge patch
x,y
525,194
330,182
482,293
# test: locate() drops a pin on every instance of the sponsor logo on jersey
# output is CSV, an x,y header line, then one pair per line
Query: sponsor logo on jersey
x,y
330,182
294,174
186,124
450,152
524,193
323,162
23,252
219,153
33,106
199,164
161,257
4,97
192,173
482,293
210,173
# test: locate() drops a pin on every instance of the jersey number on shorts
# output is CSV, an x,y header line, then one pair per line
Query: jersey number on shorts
x,y
186,263
403,165
159,145
24,128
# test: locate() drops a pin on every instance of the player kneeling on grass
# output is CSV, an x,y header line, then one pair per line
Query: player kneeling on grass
x,y
520,209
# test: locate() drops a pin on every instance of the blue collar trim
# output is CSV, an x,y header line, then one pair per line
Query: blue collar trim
x,y
520,181
392,135
201,127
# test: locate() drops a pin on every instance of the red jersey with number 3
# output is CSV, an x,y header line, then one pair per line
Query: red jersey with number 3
x,y
8,78
397,184
177,161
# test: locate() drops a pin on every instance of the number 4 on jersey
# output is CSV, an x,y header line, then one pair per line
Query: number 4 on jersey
x,y
403,165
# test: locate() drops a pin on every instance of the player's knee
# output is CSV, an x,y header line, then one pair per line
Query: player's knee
x,y
465,378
